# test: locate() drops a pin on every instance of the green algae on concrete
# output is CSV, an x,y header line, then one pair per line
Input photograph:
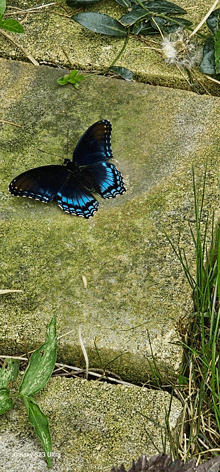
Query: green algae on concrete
x,y
94,426
51,36
134,282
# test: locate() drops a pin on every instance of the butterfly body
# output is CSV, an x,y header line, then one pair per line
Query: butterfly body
x,y
71,184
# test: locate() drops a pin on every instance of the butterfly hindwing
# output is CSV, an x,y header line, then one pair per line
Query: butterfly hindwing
x,y
73,198
104,178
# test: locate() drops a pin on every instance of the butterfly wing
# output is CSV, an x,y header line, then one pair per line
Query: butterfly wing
x,y
91,155
73,198
49,183
94,145
41,183
103,178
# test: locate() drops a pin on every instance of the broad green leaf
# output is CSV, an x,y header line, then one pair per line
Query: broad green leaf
x,y
167,25
157,6
41,364
99,23
208,63
135,15
2,6
217,51
8,372
146,28
123,72
137,27
213,21
161,6
208,46
41,426
80,3
12,25
6,402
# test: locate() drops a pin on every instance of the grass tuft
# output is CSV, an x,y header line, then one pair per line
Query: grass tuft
x,y
199,434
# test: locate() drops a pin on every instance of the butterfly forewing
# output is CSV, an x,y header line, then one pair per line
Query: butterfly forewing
x,y
41,183
94,145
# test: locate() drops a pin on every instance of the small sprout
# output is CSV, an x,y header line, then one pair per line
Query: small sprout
x,y
72,77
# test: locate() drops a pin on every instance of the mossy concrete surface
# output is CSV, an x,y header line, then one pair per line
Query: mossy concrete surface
x,y
51,35
136,293
94,426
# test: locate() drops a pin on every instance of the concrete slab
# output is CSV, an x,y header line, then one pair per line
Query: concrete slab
x,y
136,292
135,283
53,37
94,426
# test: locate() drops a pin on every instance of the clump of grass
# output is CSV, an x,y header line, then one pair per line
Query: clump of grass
x,y
199,388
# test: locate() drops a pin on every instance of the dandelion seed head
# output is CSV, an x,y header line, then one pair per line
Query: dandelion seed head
x,y
179,49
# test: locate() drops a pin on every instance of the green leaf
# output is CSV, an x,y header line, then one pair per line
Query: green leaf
x,y
72,78
80,3
41,426
99,23
8,372
167,25
132,16
2,7
217,51
157,6
137,27
208,46
145,29
12,25
208,63
63,80
6,402
182,380
123,72
161,6
213,21
41,364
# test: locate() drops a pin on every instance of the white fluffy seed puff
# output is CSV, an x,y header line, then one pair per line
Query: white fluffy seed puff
x,y
178,48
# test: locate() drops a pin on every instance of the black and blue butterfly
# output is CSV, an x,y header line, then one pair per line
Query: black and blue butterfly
x,y
71,184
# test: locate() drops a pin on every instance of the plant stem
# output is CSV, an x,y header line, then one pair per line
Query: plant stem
x,y
118,56
142,5
205,18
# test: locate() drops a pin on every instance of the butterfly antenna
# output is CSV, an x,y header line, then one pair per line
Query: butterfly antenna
x,y
46,152
67,143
